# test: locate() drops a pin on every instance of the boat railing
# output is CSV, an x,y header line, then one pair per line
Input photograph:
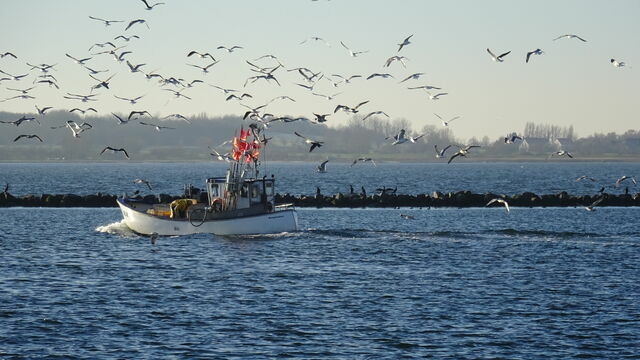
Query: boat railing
x,y
280,207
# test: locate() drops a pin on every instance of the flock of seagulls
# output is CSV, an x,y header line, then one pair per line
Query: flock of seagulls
x,y
262,74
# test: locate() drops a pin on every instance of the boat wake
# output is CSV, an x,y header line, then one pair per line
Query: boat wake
x,y
119,228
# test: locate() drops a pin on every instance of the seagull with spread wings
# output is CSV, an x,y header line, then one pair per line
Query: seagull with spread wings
x,y
570,36
353,53
445,123
363,160
314,143
348,109
534,52
115,150
137,21
373,113
462,151
498,58
27,136
150,7
158,127
499,201
143,181
131,101
106,22
322,168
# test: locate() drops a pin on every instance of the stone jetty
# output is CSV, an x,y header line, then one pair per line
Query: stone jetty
x,y
435,199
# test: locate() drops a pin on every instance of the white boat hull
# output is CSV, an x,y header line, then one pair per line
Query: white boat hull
x,y
275,222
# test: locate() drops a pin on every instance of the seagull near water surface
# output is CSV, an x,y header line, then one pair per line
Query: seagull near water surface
x,y
363,160
322,168
143,181
499,201
115,150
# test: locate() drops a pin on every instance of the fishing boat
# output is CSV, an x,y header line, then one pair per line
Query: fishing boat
x,y
239,203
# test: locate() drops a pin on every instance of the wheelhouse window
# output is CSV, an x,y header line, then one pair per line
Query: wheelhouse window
x,y
268,188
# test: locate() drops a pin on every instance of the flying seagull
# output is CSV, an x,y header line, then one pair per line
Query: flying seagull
x,y
534,52
561,153
314,143
623,178
132,101
436,96
385,76
401,59
79,61
322,168
150,7
349,109
404,42
30,136
363,159
462,151
158,127
412,77
593,205
511,139
497,58
43,110
7,53
446,122
83,111
114,150
351,52
570,36
440,153
229,49
106,22
222,157
500,201
125,38
374,113
585,177
202,55
617,63
400,138
143,181
137,21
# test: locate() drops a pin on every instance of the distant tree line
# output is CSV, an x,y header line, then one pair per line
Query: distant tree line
x,y
191,141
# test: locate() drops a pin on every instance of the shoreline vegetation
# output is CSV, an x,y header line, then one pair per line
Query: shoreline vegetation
x,y
342,143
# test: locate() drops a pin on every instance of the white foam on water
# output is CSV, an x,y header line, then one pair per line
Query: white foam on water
x,y
119,228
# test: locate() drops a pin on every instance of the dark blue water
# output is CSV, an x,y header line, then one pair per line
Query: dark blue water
x,y
302,178
553,283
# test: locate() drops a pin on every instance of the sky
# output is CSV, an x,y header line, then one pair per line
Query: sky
x,y
572,83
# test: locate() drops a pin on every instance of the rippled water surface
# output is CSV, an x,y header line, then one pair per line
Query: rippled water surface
x,y
302,178
552,283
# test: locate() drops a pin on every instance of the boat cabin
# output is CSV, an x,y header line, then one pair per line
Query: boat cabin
x,y
226,196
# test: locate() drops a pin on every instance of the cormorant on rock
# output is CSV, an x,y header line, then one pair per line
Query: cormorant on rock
x,y
5,192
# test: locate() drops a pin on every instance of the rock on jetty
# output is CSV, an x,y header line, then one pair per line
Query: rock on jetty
x,y
436,199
